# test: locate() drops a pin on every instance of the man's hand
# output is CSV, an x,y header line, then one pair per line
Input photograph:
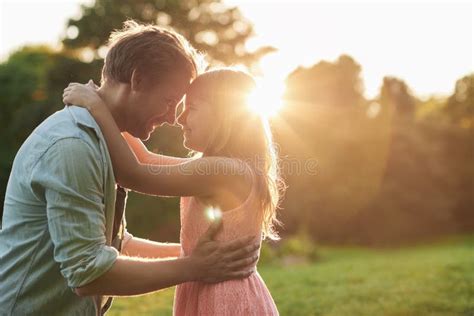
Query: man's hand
x,y
220,261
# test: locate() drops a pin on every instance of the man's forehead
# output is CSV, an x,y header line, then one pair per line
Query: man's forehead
x,y
176,82
175,94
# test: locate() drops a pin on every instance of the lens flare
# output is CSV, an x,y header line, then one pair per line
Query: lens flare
x,y
266,99
213,214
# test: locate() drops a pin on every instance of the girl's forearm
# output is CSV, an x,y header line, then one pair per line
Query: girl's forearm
x,y
138,247
124,162
137,146
147,157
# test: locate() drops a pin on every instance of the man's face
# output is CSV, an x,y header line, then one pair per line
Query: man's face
x,y
154,106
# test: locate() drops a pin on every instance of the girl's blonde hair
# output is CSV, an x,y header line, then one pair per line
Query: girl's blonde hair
x,y
240,133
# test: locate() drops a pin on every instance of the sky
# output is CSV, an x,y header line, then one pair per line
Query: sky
x,y
429,44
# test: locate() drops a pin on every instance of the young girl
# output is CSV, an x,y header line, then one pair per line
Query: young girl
x,y
234,176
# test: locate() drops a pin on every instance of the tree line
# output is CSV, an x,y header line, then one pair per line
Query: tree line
x,y
391,169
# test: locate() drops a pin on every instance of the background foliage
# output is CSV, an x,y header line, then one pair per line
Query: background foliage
x,y
390,170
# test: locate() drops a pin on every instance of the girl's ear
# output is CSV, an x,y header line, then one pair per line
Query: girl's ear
x,y
136,81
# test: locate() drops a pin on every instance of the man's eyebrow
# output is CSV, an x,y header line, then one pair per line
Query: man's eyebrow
x,y
177,99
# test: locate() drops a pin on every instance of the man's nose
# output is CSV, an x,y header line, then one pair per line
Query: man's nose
x,y
170,119
181,118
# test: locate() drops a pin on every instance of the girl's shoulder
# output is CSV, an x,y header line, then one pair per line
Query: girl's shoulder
x,y
233,170
238,185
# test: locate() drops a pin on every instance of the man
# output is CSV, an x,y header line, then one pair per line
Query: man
x,y
63,212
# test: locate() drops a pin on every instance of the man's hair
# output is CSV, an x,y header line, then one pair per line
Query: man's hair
x,y
151,50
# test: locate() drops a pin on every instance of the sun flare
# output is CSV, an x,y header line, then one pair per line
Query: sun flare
x,y
266,100
213,214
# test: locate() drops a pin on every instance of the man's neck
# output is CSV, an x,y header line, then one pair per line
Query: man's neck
x,y
111,100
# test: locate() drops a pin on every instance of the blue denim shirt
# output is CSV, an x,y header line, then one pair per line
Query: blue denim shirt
x,y
57,218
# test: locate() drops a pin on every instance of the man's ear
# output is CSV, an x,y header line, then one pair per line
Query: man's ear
x,y
136,81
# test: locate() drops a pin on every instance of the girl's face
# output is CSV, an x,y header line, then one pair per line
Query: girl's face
x,y
196,122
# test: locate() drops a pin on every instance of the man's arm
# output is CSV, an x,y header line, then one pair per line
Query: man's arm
x,y
211,261
135,276
69,178
70,175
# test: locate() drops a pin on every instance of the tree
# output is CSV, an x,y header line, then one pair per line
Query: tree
x,y
211,26
328,84
322,125
460,105
396,95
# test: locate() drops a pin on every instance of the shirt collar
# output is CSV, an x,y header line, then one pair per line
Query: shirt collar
x,y
82,116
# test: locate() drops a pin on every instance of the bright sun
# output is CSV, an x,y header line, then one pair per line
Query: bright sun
x,y
266,99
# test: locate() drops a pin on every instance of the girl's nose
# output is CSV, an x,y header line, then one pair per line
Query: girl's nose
x,y
170,119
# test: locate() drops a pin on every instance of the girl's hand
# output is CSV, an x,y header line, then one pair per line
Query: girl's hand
x,y
83,95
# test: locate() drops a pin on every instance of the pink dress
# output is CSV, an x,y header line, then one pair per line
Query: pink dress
x,y
247,296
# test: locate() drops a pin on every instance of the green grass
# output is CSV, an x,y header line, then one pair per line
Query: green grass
x,y
435,279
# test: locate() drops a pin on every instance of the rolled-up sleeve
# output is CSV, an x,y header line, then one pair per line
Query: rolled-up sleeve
x,y
71,175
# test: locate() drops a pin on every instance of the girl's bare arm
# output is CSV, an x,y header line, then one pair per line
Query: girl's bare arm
x,y
197,177
147,157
